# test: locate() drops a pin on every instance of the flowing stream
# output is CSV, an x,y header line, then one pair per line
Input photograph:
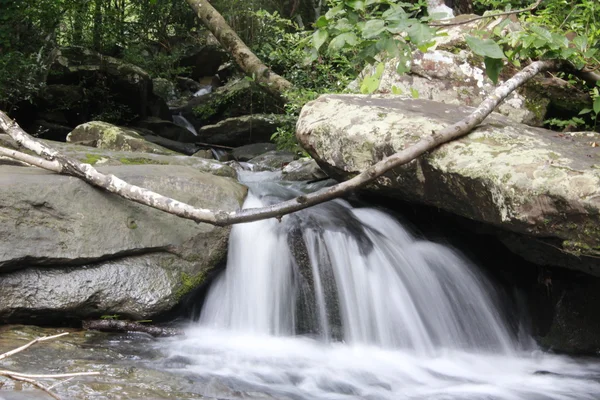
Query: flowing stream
x,y
337,302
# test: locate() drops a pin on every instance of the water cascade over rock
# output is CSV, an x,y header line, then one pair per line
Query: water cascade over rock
x,y
337,302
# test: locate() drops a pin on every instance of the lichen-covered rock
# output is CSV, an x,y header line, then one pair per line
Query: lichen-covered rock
x,y
449,72
305,169
522,179
102,157
72,250
111,137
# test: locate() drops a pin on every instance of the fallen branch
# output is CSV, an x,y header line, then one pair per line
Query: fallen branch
x,y
31,378
221,218
494,15
26,346
113,325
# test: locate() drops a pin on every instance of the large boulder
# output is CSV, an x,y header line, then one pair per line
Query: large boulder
x,y
87,85
203,60
529,183
71,250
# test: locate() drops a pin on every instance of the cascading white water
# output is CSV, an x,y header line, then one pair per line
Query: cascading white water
x,y
184,123
381,314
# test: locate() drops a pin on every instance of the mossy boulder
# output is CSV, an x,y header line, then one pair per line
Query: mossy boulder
x,y
111,137
237,98
240,131
527,182
71,250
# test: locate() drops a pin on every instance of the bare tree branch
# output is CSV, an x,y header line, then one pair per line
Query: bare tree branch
x,y
30,378
26,346
144,196
244,57
494,15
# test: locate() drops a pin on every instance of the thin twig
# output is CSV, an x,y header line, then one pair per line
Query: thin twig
x,y
34,341
442,24
34,383
48,376
60,382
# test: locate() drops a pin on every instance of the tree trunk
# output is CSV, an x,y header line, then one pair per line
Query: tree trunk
x,y
243,56
97,30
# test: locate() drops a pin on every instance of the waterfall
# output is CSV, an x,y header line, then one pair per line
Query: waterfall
x,y
337,302
184,123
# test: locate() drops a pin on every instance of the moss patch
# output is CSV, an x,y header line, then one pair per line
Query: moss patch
x,y
140,161
189,283
91,159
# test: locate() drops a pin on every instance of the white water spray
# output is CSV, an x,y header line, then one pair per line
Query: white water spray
x,y
381,314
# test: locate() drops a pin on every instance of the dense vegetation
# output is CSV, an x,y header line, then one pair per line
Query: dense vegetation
x,y
318,49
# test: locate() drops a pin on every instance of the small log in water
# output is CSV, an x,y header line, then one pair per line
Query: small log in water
x,y
113,325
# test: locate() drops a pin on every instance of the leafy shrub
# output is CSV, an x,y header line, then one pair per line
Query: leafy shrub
x,y
20,78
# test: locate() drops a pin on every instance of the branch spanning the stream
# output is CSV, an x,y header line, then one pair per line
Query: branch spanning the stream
x,y
31,378
68,166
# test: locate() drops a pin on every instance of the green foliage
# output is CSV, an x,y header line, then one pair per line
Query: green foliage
x,y
362,31
20,78
558,30
159,65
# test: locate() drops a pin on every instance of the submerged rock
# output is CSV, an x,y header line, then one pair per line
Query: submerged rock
x,y
126,364
71,250
525,180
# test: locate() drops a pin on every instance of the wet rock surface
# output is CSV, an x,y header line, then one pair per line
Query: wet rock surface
x,y
525,180
71,250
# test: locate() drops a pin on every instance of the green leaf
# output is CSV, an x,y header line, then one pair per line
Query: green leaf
x,y
338,42
404,62
414,93
357,5
396,90
321,22
420,33
596,105
541,32
373,28
343,25
319,37
485,47
371,83
493,66
585,111
334,11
